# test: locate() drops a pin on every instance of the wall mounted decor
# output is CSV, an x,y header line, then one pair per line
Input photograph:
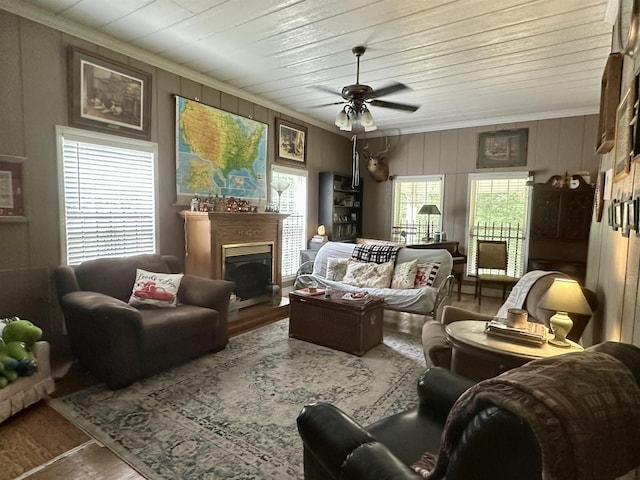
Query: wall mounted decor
x,y
609,100
505,148
108,96
598,197
624,151
218,153
11,188
627,24
291,143
625,227
617,214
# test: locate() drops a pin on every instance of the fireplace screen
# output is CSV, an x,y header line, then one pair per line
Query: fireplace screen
x,y
250,266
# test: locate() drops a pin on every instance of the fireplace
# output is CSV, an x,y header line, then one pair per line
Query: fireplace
x,y
250,266
242,247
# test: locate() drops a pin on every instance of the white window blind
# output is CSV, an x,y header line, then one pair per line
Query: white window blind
x,y
294,202
498,210
108,197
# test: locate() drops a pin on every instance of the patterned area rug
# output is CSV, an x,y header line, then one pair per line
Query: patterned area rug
x,y
232,415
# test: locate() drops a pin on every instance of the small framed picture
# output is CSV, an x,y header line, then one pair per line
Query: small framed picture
x,y
626,227
505,148
617,214
291,143
108,96
11,187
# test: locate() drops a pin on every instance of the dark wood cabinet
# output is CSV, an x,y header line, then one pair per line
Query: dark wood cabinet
x,y
340,207
561,212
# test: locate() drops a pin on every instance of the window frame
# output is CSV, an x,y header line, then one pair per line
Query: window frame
x,y
284,170
91,137
525,175
416,179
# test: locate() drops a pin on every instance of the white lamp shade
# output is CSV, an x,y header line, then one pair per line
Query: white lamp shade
x,y
370,128
366,119
565,295
342,120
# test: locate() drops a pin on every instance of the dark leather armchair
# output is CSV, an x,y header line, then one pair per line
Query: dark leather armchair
x,y
118,343
487,442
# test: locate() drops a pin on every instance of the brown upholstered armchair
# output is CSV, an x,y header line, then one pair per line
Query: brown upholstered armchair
x,y
119,343
437,351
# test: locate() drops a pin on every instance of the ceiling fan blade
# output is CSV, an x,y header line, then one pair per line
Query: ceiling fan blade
x,y
397,106
388,90
326,104
325,89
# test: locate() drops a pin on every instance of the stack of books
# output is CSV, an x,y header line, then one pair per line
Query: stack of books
x,y
532,333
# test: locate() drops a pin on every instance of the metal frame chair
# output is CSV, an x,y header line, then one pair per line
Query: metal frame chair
x,y
492,256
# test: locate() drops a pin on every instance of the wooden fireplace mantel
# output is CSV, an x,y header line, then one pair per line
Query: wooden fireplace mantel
x,y
207,233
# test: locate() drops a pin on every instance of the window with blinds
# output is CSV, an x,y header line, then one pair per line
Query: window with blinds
x,y
499,210
108,195
409,195
294,202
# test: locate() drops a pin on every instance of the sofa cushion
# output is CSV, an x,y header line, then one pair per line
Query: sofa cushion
x,y
404,275
426,274
336,268
153,289
165,327
371,274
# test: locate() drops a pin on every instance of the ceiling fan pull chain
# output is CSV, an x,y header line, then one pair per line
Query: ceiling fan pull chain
x,y
355,179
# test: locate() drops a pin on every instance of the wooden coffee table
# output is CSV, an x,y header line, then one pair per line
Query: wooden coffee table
x,y
478,356
349,326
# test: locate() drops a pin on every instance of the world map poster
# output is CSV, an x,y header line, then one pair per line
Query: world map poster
x,y
219,153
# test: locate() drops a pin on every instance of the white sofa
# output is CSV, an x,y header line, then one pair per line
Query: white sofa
x,y
26,391
422,300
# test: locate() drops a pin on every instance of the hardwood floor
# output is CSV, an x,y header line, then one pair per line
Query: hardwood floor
x,y
40,444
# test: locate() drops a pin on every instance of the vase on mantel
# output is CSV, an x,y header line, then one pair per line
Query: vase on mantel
x,y
275,294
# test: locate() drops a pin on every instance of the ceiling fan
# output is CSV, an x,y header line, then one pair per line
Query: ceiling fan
x,y
357,96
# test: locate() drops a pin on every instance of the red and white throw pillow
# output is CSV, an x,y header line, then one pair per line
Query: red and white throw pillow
x,y
404,275
155,289
426,274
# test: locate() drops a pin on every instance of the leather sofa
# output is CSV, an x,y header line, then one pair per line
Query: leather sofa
x,y
119,343
437,350
492,442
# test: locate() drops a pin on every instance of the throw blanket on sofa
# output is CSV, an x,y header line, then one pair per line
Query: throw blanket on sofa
x,y
584,409
520,291
375,253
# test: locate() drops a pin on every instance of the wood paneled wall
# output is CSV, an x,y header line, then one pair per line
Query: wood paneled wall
x,y
554,147
33,100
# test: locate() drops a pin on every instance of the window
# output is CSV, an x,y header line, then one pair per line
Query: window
x,y
294,202
108,195
499,210
409,195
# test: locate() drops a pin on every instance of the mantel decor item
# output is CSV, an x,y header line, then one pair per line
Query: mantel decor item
x,y
291,143
624,151
108,96
609,100
505,148
564,296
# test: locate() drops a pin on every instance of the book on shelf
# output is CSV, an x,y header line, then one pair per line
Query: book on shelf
x,y
531,332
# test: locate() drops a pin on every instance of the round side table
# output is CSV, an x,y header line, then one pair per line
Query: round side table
x,y
478,356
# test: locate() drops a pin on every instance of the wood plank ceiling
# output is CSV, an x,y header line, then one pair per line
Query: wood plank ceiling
x,y
467,62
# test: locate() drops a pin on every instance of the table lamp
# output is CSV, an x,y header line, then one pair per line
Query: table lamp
x,y
279,186
429,210
564,296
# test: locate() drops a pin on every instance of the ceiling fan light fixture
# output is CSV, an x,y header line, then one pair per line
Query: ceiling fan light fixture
x,y
366,119
370,128
347,127
342,119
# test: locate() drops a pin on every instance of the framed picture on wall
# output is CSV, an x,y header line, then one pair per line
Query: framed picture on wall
x,y
11,188
505,148
624,147
291,143
609,100
108,96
